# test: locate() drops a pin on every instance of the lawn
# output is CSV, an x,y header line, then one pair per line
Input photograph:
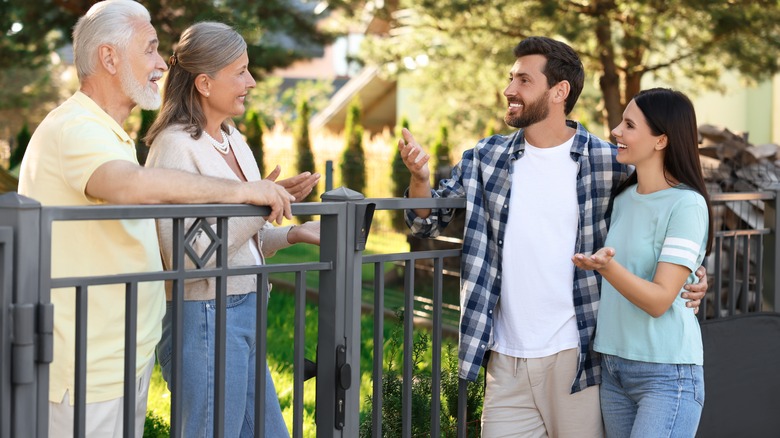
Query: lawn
x,y
281,328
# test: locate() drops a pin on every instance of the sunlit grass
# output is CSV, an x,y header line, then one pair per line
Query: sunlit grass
x,y
159,402
281,329
280,360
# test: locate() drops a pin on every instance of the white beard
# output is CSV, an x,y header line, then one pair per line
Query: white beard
x,y
145,96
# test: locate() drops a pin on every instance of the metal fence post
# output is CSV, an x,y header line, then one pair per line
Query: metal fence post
x,y
328,175
338,348
25,373
771,268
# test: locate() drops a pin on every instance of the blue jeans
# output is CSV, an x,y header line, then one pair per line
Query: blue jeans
x,y
653,400
198,369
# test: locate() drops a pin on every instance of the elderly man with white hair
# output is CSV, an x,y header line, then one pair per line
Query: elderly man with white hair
x,y
80,155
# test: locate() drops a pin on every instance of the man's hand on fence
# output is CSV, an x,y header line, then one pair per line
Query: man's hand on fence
x,y
694,293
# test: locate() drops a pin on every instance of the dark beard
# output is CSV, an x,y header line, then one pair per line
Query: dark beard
x,y
533,113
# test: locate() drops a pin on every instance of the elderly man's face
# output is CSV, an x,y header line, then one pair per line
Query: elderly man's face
x,y
142,67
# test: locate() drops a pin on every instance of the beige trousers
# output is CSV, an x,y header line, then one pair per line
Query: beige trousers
x,y
103,419
532,398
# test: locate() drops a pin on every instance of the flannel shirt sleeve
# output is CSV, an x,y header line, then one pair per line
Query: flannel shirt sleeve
x,y
439,218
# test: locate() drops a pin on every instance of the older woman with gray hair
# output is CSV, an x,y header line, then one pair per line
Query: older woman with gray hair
x,y
207,85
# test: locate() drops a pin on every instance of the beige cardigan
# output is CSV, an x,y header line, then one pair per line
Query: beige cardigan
x,y
174,148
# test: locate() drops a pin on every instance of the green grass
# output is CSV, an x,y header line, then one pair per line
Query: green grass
x,y
281,328
381,242
159,402
280,360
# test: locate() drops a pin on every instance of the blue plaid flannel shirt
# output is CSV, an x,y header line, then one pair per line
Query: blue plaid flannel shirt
x,y
483,177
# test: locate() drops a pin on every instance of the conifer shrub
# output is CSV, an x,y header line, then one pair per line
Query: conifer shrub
x,y
440,156
141,148
353,166
400,177
303,149
254,128
22,140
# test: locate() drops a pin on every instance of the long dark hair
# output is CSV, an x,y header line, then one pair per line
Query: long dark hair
x,y
669,112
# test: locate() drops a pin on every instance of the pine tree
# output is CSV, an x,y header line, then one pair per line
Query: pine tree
x,y
353,166
400,181
442,163
303,147
22,140
141,148
255,127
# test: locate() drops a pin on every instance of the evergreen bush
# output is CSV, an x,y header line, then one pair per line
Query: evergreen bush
x,y
141,148
392,390
156,426
441,161
22,140
400,181
254,128
303,148
353,166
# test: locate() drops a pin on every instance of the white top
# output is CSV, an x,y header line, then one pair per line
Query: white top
x,y
535,313
174,148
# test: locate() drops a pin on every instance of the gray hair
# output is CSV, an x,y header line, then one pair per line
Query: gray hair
x,y
204,48
208,47
106,22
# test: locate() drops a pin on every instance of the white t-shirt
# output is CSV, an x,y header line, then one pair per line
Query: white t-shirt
x,y
535,314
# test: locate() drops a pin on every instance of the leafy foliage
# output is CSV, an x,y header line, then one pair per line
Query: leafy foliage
x,y
353,167
28,94
32,30
315,93
392,390
457,53
278,32
156,427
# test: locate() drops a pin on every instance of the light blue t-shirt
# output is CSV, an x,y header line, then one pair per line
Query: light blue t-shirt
x,y
666,226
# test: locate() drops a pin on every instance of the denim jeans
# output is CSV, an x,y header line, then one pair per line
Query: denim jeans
x,y
653,400
198,369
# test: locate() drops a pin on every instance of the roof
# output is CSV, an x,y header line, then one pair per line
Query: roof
x,y
377,101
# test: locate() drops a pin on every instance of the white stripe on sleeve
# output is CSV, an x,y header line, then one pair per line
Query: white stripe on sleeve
x,y
683,243
679,253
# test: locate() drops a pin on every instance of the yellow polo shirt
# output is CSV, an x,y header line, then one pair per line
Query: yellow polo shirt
x,y
66,148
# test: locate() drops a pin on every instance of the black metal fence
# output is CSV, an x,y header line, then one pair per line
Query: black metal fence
x,y
743,274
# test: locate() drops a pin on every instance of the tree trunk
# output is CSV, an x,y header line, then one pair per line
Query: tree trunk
x,y
609,82
633,86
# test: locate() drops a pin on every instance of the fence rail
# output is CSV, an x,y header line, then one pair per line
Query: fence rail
x,y
743,269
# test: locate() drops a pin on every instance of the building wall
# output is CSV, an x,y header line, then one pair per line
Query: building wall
x,y
741,108
775,117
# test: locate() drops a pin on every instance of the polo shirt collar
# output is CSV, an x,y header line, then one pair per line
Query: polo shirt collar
x,y
87,102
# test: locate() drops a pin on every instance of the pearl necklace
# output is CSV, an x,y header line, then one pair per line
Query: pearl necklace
x,y
223,147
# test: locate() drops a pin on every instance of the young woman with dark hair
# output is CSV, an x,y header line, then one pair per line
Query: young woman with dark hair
x,y
652,375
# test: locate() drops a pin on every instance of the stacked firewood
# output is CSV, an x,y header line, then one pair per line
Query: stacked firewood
x,y
732,164
736,165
